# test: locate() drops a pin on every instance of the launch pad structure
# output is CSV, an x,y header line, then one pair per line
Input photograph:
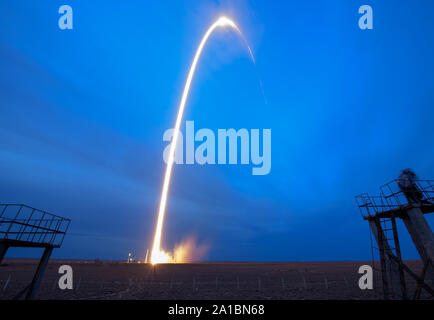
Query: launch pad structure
x,y
382,212
28,227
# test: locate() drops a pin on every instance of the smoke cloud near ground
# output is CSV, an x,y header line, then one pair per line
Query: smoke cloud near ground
x,y
189,250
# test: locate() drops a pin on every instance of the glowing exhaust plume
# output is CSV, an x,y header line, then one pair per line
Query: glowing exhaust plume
x,y
159,256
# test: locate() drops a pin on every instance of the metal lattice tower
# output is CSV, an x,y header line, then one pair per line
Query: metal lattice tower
x,y
381,211
24,226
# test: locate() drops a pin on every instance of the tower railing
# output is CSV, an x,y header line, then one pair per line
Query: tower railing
x,y
29,226
391,197
395,196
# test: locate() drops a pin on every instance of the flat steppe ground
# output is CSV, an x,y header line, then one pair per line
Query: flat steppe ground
x,y
223,280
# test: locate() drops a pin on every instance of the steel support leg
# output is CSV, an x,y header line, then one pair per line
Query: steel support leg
x,y
389,268
39,273
3,250
422,237
398,255
377,231
424,231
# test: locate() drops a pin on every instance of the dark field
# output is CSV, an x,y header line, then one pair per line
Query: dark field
x,y
119,280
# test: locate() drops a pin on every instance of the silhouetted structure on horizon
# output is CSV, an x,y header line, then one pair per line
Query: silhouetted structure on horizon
x,y
408,199
24,226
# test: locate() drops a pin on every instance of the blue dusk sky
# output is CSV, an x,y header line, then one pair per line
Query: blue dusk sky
x,y
83,112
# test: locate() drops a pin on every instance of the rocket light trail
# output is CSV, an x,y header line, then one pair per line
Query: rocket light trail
x,y
157,255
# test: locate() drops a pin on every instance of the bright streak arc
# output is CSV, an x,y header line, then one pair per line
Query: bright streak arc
x,y
159,256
